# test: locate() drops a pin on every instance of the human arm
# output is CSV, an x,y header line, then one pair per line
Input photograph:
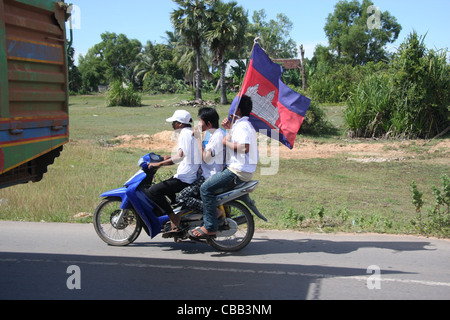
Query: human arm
x,y
168,160
237,147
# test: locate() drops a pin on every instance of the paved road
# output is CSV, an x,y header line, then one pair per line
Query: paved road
x,y
36,260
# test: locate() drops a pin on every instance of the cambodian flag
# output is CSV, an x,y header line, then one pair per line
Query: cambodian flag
x,y
278,110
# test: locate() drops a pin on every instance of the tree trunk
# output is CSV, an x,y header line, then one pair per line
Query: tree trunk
x,y
303,68
198,77
223,84
218,86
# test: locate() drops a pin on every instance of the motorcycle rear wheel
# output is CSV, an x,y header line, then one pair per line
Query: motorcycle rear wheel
x,y
115,234
243,219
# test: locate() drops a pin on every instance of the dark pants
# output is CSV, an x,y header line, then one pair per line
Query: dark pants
x,y
169,188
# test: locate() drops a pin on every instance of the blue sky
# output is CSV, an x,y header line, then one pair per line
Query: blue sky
x,y
147,20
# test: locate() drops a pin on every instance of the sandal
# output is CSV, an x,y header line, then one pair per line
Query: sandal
x,y
173,231
203,236
174,228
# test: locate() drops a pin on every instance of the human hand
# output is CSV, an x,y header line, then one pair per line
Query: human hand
x,y
155,165
226,124
198,130
226,139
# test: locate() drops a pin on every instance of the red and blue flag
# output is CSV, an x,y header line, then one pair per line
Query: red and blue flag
x,y
278,110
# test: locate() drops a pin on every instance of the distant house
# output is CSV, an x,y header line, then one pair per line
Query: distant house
x,y
289,64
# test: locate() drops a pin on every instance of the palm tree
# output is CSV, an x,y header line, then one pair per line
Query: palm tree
x,y
185,57
191,21
146,63
227,34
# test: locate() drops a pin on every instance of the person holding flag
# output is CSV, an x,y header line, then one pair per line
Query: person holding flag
x,y
266,105
242,160
278,111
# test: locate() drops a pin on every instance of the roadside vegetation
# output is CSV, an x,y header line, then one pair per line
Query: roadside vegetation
x,y
322,194
394,106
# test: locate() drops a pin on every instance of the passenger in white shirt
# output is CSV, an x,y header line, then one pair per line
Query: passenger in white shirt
x,y
213,156
214,151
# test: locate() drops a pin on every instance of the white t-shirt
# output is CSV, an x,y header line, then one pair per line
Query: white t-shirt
x,y
244,133
188,168
216,163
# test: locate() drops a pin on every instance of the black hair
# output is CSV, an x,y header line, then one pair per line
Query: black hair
x,y
184,124
246,106
209,115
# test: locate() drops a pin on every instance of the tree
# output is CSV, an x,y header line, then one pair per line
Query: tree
x,y
92,70
274,36
75,78
184,56
118,53
227,33
191,21
154,60
114,58
351,38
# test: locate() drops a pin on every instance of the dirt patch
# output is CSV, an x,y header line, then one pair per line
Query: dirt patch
x,y
363,152
309,149
367,151
164,141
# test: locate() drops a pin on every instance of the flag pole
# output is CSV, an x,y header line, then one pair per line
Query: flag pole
x,y
242,85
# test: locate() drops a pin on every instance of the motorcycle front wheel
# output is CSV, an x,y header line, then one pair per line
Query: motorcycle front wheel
x,y
238,231
111,229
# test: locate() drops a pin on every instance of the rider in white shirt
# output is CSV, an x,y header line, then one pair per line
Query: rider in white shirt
x,y
189,159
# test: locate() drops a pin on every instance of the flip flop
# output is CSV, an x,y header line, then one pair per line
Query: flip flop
x,y
173,231
203,236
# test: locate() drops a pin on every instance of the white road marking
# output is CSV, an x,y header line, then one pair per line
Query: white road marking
x,y
231,270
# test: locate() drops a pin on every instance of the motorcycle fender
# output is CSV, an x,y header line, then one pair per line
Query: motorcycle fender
x,y
251,204
118,193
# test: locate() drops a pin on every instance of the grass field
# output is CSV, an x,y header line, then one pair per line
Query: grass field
x,y
318,194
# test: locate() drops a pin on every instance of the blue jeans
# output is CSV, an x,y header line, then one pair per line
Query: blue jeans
x,y
219,183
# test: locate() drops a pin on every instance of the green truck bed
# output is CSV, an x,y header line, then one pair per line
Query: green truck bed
x,y
34,117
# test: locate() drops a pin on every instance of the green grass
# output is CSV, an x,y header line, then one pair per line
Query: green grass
x,y
374,196
326,195
92,120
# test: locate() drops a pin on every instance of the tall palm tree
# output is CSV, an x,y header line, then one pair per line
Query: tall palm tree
x,y
185,57
227,33
146,63
191,21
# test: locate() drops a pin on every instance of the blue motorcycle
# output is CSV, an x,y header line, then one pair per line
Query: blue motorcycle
x,y
124,212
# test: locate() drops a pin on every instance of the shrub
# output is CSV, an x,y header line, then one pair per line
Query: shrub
x,y
411,100
334,84
315,121
120,94
164,84
422,82
437,220
369,107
